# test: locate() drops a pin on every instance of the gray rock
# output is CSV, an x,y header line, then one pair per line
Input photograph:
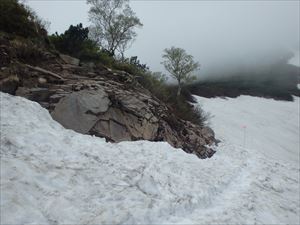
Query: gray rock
x,y
111,130
56,97
70,60
35,94
118,132
79,110
42,80
149,130
9,84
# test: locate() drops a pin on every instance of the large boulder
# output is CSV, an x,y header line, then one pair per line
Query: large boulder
x,y
79,111
106,110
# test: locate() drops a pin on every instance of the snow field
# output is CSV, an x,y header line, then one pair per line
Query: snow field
x,y
52,175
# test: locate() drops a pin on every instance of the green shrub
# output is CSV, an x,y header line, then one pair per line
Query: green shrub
x,y
75,42
123,66
131,65
184,109
26,50
156,84
18,19
72,41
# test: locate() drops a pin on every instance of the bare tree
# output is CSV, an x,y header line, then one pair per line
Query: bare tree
x,y
123,47
114,24
180,65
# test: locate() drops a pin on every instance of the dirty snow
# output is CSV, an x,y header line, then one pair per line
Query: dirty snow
x,y
52,175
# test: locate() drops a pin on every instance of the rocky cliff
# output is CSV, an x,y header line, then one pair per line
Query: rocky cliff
x,y
93,99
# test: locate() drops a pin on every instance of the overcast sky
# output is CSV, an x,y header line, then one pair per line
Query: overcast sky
x,y
214,32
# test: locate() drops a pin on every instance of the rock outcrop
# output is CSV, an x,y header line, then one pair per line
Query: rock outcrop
x,y
69,60
93,99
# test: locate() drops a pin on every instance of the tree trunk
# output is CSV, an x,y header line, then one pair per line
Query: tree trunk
x,y
179,90
122,57
111,51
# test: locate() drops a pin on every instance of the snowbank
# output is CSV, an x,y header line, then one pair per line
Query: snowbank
x,y
296,59
53,175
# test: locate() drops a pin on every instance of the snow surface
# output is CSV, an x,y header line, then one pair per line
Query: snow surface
x,y
267,125
52,175
296,59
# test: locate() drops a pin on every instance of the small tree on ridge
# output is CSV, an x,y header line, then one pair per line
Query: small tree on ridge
x,y
180,65
113,24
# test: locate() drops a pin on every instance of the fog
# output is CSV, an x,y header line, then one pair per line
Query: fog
x,y
221,35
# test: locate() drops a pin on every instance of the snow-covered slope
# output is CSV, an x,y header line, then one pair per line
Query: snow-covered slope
x,y
53,175
296,59
266,125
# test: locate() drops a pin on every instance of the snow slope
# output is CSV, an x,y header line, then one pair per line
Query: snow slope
x,y
296,59
52,175
266,125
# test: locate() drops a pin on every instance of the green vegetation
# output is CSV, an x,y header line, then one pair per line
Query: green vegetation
x,y
18,19
180,65
113,24
182,107
75,42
